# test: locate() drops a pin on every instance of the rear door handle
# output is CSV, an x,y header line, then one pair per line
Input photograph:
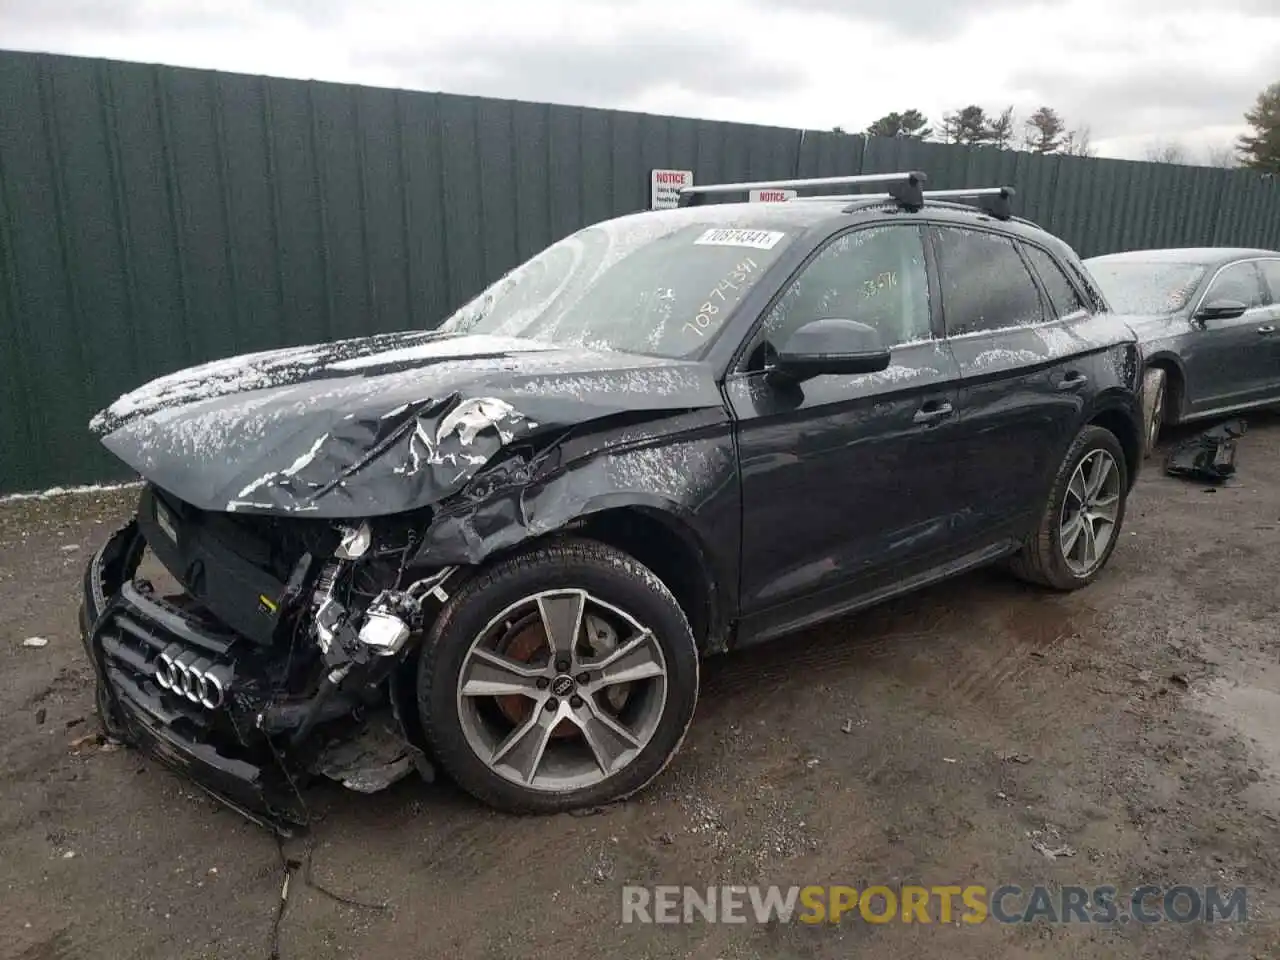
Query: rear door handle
x,y
1073,381
1269,328
933,411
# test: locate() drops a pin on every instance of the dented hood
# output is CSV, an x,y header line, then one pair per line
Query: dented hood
x,y
376,425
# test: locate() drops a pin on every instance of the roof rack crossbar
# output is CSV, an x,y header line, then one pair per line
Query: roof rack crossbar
x,y
907,188
992,200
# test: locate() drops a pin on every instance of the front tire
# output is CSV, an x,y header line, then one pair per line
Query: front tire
x,y
1154,394
1081,523
563,677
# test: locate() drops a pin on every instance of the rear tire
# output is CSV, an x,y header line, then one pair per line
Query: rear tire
x,y
492,665
1047,558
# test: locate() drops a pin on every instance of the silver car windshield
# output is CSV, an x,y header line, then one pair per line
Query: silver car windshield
x,y
661,284
1135,286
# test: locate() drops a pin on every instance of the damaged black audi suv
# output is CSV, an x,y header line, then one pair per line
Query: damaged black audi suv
x,y
500,549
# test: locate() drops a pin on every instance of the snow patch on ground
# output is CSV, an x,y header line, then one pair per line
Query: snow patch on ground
x,y
68,491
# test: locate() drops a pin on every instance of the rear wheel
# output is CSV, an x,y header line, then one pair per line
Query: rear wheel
x,y
560,678
1081,522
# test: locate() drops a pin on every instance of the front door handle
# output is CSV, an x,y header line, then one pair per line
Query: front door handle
x,y
1269,328
933,411
1073,381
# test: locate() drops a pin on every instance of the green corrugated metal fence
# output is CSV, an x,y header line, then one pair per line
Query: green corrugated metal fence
x,y
153,217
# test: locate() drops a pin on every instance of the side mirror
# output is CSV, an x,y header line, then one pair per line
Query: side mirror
x,y
829,346
1220,310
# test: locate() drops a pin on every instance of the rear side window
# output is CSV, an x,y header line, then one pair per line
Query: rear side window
x,y
985,283
1062,295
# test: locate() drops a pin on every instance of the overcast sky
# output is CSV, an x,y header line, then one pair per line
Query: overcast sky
x,y
1136,72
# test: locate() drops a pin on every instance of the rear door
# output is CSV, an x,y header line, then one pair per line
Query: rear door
x,y
1229,361
1023,374
847,481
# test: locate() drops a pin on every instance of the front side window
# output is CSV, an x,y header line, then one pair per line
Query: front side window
x,y
985,283
1062,294
1239,282
1271,272
875,275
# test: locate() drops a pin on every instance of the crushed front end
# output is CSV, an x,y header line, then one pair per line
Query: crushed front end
x,y
251,653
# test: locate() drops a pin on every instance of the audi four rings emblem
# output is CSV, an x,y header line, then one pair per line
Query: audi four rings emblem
x,y
198,679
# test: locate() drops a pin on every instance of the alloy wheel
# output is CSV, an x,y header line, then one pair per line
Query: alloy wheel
x,y
1089,512
561,691
1157,417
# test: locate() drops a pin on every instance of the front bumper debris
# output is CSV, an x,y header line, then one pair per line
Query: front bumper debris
x,y
1209,457
202,699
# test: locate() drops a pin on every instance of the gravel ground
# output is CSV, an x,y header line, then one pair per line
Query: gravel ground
x,y
939,739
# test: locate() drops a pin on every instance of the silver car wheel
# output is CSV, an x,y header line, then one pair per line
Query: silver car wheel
x,y
1089,510
561,691
1157,414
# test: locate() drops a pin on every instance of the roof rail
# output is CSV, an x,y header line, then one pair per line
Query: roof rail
x,y
992,200
906,188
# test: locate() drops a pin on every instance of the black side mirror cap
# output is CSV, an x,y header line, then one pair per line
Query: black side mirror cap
x,y
829,346
1221,310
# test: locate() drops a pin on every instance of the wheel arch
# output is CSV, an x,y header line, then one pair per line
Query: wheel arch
x,y
1118,419
657,531
668,545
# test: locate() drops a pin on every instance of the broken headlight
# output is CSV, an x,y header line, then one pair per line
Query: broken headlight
x,y
355,542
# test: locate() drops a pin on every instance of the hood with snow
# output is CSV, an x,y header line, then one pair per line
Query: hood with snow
x,y
377,425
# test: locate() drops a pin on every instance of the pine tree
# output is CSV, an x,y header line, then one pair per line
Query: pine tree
x,y
1260,150
1000,130
1044,131
911,123
966,125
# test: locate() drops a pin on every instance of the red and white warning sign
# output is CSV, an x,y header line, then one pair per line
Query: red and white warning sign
x,y
665,186
770,196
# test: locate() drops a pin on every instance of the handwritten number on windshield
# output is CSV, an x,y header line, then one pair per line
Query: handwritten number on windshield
x,y
709,310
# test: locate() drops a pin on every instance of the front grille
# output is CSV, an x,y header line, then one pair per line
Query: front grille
x,y
165,659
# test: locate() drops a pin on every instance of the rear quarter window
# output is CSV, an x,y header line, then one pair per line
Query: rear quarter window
x,y
1062,293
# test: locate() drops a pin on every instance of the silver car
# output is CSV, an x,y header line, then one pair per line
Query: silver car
x,y
1208,319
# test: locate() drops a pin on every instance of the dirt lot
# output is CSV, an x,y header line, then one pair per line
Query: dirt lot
x,y
1137,722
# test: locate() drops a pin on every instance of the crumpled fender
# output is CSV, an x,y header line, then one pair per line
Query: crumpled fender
x,y
681,467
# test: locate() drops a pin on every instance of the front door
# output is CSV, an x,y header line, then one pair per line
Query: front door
x,y
846,480
1228,363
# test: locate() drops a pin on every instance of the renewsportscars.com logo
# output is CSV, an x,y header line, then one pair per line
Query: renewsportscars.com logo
x,y
969,904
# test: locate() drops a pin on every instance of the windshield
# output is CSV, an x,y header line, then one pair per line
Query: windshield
x,y
661,284
1135,286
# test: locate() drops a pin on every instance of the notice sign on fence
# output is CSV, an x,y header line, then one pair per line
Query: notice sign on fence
x,y
664,188
770,196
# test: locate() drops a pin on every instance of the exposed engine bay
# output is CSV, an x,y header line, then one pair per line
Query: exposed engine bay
x,y
276,653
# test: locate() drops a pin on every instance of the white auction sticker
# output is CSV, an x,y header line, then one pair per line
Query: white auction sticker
x,y
726,237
